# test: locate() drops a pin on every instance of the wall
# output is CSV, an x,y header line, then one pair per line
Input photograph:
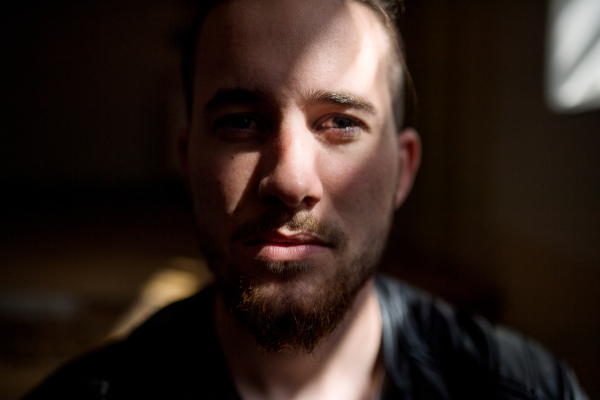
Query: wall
x,y
508,191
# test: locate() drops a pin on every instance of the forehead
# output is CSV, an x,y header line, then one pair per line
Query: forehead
x,y
312,42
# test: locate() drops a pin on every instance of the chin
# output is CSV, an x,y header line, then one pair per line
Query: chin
x,y
294,305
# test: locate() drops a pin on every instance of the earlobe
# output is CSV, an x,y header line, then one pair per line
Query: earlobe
x,y
409,144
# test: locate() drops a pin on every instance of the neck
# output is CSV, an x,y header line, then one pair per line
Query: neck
x,y
347,364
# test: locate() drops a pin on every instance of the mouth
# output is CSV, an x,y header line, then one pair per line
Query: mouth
x,y
278,246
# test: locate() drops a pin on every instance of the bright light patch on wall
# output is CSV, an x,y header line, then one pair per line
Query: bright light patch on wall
x,y
573,59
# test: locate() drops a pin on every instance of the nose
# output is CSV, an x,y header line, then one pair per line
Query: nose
x,y
290,170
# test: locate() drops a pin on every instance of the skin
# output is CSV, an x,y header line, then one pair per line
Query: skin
x,y
309,130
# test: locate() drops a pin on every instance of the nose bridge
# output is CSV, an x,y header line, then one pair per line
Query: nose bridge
x,y
292,174
294,151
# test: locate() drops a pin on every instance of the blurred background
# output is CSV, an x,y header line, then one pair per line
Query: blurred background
x,y
503,219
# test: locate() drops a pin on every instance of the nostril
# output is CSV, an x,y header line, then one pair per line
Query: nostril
x,y
311,202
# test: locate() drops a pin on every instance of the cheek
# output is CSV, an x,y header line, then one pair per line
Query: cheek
x,y
220,181
363,190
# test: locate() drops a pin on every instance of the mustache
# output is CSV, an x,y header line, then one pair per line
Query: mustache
x,y
305,221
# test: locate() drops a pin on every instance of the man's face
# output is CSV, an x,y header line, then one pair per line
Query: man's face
x,y
292,156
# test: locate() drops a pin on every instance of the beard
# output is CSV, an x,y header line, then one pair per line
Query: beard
x,y
278,315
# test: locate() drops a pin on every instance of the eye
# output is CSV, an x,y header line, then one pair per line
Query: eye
x,y
237,127
240,122
341,127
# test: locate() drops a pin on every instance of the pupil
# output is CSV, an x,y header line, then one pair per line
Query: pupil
x,y
342,122
240,123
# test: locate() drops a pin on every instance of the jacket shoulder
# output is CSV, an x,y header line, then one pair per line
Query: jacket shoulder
x,y
457,355
160,359
88,377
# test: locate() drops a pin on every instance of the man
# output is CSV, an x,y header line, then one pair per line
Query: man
x,y
296,162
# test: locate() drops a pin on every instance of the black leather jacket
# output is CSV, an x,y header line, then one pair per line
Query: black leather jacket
x,y
430,350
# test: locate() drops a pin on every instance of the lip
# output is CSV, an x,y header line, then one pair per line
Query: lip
x,y
278,246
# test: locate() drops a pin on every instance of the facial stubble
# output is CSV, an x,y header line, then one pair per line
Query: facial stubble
x,y
274,312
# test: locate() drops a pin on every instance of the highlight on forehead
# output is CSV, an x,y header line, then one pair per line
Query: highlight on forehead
x,y
387,12
398,76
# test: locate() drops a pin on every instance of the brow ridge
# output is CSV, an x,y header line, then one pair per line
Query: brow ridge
x,y
244,96
237,96
345,99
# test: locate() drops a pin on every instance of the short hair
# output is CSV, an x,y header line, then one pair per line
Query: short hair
x,y
402,90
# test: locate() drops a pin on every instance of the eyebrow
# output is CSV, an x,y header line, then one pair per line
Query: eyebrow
x,y
236,96
344,99
241,96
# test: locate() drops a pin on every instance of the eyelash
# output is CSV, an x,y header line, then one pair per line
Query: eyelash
x,y
349,132
226,130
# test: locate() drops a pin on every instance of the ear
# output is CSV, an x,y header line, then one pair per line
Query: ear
x,y
409,144
182,151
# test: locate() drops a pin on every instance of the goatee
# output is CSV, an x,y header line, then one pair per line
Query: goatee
x,y
281,319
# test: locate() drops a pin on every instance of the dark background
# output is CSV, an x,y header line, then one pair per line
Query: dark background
x,y
502,220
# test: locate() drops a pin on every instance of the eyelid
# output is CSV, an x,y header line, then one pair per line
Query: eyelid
x,y
357,121
221,127
227,118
